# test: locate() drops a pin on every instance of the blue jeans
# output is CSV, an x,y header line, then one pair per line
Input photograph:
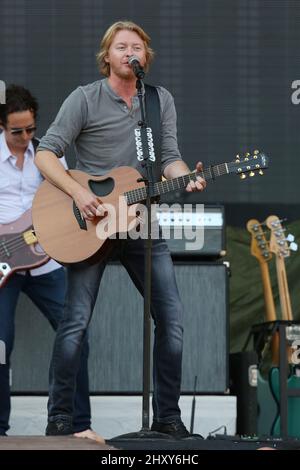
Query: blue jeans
x,y
47,292
166,309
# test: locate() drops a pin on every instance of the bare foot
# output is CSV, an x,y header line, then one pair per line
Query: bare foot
x,y
265,448
90,434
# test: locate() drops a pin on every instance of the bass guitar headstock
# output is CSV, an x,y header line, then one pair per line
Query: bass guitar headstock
x,y
279,243
259,244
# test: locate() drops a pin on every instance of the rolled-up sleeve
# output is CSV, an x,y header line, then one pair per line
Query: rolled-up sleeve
x,y
68,124
169,145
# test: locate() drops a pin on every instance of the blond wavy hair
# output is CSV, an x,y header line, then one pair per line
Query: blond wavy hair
x,y
109,37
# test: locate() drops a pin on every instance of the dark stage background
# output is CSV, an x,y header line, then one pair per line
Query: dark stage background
x,y
229,64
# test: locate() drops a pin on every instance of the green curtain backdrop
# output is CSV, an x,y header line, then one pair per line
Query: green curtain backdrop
x,y
246,290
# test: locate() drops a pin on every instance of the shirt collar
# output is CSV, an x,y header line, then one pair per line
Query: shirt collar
x,y
5,153
114,95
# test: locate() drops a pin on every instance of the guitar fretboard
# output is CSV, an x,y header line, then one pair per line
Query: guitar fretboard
x,y
162,187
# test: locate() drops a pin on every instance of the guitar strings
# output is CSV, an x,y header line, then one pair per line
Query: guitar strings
x,y
12,245
12,249
139,194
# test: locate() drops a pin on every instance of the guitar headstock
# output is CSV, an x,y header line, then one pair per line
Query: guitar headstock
x,y
249,164
278,241
259,244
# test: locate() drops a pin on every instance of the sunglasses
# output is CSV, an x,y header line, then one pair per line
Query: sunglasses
x,y
19,131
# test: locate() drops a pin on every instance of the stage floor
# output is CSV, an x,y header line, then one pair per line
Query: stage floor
x,y
50,443
192,444
115,415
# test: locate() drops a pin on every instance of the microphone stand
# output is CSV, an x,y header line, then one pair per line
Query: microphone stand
x,y
149,181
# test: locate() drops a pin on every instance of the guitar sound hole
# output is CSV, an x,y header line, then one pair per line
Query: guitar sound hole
x,y
102,188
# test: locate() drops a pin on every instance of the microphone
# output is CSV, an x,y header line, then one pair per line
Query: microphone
x,y
138,70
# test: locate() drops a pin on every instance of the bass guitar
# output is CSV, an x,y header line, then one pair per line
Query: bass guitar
x,y
19,248
261,251
267,406
279,246
68,238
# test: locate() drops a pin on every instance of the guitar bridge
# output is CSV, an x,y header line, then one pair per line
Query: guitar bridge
x,y
30,237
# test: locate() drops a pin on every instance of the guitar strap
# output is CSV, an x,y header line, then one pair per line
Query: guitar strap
x,y
152,105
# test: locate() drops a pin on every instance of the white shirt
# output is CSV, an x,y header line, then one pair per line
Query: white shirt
x,y
17,189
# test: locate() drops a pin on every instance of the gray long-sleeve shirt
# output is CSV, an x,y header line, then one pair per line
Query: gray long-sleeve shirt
x,y
101,126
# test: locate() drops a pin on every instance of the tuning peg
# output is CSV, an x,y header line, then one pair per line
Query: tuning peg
x,y
260,172
290,238
243,176
256,152
247,154
293,246
251,173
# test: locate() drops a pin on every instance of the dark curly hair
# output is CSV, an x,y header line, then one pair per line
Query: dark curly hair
x,y
18,99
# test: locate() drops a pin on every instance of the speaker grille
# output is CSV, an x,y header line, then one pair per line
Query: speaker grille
x,y
116,334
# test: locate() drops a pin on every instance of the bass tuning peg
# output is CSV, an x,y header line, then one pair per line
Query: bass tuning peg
x,y
290,238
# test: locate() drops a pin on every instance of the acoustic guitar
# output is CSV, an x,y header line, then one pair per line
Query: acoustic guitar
x,y
19,248
279,246
68,238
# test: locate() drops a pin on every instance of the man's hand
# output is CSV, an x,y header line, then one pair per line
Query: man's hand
x,y
199,184
179,168
89,205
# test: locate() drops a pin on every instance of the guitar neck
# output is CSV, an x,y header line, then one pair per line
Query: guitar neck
x,y
163,187
284,294
268,294
270,309
279,246
181,182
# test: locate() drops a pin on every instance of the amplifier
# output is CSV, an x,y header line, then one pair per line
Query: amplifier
x,y
193,230
117,366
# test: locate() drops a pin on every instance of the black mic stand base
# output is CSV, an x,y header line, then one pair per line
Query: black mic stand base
x,y
142,434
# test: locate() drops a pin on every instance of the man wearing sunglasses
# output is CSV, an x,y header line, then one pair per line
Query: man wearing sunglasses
x,y
45,286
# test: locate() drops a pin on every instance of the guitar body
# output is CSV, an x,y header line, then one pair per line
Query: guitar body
x,y
15,253
57,226
293,382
